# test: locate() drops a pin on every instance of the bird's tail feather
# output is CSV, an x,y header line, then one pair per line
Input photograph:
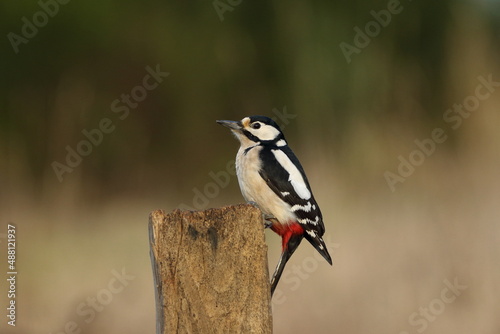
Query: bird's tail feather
x,y
287,252
319,244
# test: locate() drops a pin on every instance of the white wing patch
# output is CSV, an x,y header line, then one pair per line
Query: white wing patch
x,y
306,208
309,221
281,143
314,235
285,193
295,178
311,233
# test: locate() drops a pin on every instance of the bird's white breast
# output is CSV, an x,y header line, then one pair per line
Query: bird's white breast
x,y
255,189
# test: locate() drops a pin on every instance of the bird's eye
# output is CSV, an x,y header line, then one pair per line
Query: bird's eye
x,y
255,126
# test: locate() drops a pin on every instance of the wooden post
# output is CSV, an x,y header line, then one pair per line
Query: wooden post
x,y
210,271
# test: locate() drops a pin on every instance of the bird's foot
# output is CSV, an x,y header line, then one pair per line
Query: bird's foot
x,y
268,224
268,220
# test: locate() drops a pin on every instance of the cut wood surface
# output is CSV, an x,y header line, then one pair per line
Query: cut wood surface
x,y
210,270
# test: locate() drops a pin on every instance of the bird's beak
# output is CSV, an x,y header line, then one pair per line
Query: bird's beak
x,y
233,125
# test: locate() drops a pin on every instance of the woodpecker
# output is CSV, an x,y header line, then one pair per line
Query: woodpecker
x,y
271,176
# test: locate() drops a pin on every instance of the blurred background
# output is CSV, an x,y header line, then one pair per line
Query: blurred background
x,y
108,109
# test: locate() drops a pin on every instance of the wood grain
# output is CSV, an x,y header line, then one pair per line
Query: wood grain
x,y
210,269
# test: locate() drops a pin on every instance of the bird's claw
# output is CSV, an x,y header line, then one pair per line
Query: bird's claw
x,y
268,219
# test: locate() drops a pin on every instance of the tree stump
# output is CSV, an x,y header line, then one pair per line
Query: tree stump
x,y
210,271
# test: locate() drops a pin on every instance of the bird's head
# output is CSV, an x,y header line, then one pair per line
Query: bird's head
x,y
255,130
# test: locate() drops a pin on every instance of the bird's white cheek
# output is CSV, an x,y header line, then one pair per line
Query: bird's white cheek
x,y
266,132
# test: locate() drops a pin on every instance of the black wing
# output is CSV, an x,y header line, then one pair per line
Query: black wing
x,y
306,209
278,179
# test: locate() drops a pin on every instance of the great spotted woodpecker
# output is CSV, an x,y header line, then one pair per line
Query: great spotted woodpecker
x,y
271,176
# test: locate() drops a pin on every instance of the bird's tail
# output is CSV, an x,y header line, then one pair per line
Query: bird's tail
x,y
291,246
317,241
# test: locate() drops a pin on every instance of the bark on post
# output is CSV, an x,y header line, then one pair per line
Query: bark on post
x,y
210,271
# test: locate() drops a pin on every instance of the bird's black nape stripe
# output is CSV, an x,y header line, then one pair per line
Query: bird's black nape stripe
x,y
249,148
251,136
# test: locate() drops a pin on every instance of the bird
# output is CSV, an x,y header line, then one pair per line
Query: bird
x,y
271,177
